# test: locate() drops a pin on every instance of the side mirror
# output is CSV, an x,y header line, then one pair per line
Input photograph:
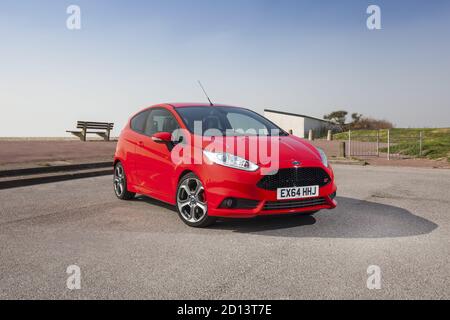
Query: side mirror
x,y
162,137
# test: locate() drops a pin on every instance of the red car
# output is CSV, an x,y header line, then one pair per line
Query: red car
x,y
211,182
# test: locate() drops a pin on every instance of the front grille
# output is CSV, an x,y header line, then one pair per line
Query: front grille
x,y
293,204
295,177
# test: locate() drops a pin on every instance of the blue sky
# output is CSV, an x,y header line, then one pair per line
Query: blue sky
x,y
309,57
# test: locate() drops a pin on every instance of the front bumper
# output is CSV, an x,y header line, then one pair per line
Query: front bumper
x,y
222,183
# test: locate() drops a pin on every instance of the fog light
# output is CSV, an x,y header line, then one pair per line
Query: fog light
x,y
234,203
229,203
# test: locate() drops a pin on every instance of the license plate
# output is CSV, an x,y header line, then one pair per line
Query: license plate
x,y
297,192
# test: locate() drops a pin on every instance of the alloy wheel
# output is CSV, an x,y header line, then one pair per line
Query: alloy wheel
x,y
191,200
119,180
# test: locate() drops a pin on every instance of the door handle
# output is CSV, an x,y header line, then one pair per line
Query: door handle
x,y
141,143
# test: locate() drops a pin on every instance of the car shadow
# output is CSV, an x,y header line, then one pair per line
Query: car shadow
x,y
353,218
146,199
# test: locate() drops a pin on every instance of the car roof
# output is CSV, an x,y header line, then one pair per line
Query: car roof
x,y
196,104
176,105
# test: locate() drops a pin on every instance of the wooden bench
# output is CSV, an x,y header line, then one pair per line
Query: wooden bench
x,y
102,129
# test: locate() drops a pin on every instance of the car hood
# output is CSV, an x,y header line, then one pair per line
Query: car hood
x,y
290,148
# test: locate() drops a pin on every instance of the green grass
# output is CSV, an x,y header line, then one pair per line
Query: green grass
x,y
436,142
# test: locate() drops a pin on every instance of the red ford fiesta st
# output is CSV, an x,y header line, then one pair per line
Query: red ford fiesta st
x,y
220,161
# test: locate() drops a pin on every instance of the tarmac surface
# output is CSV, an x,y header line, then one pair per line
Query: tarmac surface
x,y
394,218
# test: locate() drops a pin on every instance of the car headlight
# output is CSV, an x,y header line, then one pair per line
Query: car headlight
x,y
228,160
323,157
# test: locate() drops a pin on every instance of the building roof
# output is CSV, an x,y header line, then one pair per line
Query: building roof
x,y
296,115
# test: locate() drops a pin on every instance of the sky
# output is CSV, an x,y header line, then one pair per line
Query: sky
x,y
309,57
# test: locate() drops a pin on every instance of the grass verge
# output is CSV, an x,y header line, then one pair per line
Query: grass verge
x,y
435,142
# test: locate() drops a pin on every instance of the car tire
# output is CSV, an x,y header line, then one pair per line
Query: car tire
x,y
191,202
120,183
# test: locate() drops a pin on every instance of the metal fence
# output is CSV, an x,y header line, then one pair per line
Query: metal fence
x,y
382,143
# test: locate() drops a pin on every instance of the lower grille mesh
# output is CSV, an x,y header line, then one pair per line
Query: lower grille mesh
x,y
277,205
295,177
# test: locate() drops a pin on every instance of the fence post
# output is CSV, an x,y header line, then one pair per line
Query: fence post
x,y
349,143
389,144
329,136
420,143
342,150
378,143
311,136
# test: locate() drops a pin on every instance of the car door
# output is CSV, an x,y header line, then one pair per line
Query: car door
x,y
154,164
131,138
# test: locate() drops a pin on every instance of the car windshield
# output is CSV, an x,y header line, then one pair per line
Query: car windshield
x,y
228,121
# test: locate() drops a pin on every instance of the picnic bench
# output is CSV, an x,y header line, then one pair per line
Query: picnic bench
x,y
102,129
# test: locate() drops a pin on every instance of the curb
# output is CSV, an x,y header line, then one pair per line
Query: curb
x,y
9,184
54,169
349,162
24,177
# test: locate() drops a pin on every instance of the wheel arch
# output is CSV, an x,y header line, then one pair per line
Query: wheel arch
x,y
183,173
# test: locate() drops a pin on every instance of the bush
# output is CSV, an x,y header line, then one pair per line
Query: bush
x,y
364,123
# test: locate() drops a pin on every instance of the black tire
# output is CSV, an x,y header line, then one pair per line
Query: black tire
x,y
120,183
197,201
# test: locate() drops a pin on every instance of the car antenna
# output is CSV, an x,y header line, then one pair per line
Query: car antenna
x,y
204,91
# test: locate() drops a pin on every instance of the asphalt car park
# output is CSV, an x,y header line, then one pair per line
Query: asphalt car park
x,y
393,218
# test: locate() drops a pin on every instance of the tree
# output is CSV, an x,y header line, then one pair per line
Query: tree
x,y
338,117
366,123
359,121
356,117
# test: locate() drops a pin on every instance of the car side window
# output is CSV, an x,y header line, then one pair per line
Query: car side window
x,y
160,120
138,122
